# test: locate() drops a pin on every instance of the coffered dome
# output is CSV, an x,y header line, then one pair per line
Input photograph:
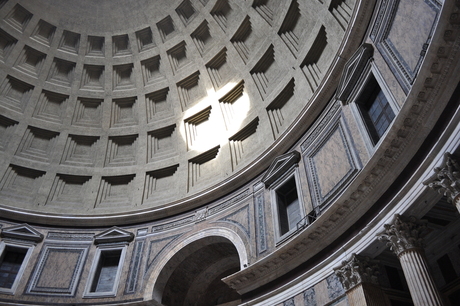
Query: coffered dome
x,y
110,108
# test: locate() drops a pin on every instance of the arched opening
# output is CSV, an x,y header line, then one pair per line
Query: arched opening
x,y
193,275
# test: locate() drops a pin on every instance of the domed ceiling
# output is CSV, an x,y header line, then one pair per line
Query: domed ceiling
x,y
124,111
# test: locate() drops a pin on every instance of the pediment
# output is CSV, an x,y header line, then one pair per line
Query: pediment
x,y
352,71
279,166
113,234
22,232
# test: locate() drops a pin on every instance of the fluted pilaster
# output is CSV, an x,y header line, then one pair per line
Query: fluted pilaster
x,y
359,278
404,237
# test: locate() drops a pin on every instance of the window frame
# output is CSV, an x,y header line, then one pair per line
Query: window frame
x,y
369,71
4,245
94,267
275,186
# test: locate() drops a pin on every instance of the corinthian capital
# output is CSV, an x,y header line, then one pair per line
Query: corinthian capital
x,y
446,179
357,270
403,234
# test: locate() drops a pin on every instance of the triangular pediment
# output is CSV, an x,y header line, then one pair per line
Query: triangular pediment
x,y
279,166
113,234
22,232
352,71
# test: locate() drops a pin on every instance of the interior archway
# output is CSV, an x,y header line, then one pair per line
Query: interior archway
x,y
193,275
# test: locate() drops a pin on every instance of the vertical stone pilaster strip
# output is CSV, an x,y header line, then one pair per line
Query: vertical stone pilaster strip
x,y
359,278
404,237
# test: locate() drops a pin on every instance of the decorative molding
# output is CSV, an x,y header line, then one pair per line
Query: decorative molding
x,y
173,224
352,72
134,267
152,255
261,235
320,197
230,202
279,166
192,217
22,232
70,236
200,215
114,234
404,234
320,126
446,180
43,276
358,269
244,227
395,60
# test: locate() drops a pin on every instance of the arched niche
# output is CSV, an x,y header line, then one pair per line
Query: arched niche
x,y
190,273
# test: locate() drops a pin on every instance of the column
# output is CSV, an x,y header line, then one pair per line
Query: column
x,y
446,180
404,237
359,278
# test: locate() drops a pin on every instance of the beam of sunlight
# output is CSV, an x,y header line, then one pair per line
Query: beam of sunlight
x,y
225,119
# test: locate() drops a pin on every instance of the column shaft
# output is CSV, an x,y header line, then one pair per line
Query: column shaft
x,y
421,284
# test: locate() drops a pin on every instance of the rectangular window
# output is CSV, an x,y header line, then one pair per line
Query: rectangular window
x,y
288,206
10,264
375,109
106,271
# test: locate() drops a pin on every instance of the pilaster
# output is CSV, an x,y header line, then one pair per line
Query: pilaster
x,y
359,278
404,237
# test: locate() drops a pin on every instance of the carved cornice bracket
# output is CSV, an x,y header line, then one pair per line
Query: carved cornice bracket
x,y
404,234
357,270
